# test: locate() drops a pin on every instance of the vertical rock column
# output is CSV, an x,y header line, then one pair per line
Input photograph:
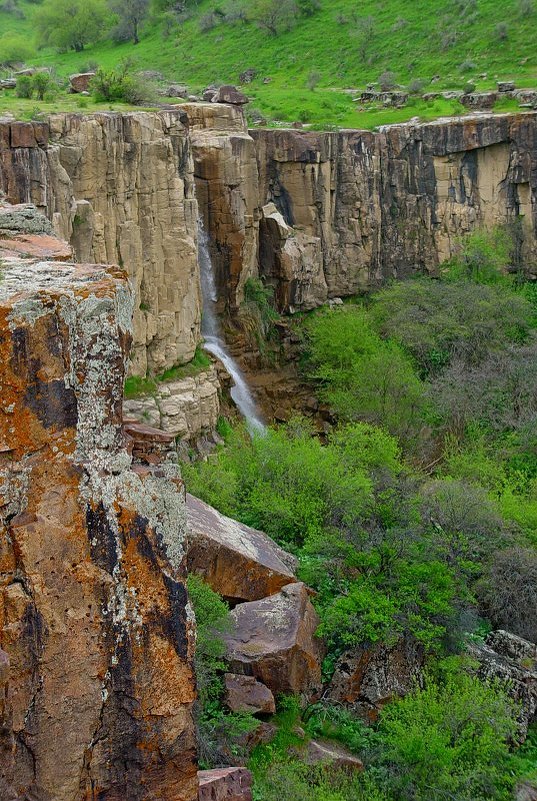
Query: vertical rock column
x,y
94,616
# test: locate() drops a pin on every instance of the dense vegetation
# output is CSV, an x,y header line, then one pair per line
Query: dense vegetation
x,y
415,515
303,53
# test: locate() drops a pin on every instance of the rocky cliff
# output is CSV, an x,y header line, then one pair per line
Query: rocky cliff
x,y
96,635
318,215
120,189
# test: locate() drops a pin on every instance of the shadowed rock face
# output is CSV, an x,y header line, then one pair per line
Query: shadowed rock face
x,y
94,618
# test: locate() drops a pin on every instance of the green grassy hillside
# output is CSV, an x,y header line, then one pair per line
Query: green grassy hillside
x,y
346,45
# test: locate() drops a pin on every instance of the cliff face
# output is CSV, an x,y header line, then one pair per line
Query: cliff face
x,y
95,668
120,189
318,215
388,204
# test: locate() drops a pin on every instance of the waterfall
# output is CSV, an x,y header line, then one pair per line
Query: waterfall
x,y
214,341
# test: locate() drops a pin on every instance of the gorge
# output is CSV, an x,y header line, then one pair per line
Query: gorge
x,y
191,206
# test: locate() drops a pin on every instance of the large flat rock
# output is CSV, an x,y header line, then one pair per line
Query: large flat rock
x,y
237,561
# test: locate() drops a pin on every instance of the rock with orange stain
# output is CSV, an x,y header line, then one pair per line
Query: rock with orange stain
x,y
94,616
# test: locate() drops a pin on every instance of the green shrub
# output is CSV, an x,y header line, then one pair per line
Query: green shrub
x,y
449,740
120,84
25,87
360,375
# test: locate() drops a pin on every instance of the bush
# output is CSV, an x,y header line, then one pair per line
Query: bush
x,y
439,321
416,86
25,87
257,314
360,375
42,84
71,24
208,22
120,85
507,591
274,16
449,740
313,79
387,81
15,49
501,32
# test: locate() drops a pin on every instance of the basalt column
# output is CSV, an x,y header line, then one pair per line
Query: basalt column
x,y
96,681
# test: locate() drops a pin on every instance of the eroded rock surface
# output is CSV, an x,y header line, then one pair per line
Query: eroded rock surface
x,y
511,660
93,609
274,640
366,678
237,561
225,784
246,694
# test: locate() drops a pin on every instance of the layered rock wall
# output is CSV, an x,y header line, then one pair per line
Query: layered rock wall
x,y
120,189
96,639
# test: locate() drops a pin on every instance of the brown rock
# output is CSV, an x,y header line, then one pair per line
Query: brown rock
x,y
526,791
367,677
230,94
80,82
274,641
93,609
225,784
323,752
246,694
41,246
237,561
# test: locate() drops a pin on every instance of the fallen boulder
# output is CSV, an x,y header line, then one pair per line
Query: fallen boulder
x,y
80,82
230,94
327,753
225,784
237,561
246,694
368,677
274,640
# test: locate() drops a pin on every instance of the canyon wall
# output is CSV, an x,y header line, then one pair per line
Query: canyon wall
x,y
120,189
96,635
317,215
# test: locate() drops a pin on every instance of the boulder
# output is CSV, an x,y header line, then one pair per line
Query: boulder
x,y
80,82
237,561
8,83
246,694
512,661
328,753
368,677
274,640
225,784
506,86
484,101
247,76
176,90
230,94
526,791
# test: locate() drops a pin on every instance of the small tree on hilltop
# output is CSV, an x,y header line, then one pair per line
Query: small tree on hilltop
x,y
70,24
131,15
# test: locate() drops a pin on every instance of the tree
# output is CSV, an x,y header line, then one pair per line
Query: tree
x,y
70,24
131,14
274,16
507,591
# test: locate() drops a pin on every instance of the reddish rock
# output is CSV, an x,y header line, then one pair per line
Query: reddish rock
x,y
274,640
23,135
148,445
225,784
323,752
40,246
80,82
246,694
93,610
367,677
235,560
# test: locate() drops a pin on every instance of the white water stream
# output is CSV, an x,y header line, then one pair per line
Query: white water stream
x,y
214,341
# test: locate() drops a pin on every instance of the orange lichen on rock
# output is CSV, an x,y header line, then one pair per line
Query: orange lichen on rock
x,y
96,634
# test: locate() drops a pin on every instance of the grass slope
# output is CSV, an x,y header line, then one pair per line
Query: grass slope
x,y
478,40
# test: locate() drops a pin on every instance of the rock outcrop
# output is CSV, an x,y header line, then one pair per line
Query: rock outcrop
x,y
120,189
97,685
274,640
187,407
509,659
366,678
237,561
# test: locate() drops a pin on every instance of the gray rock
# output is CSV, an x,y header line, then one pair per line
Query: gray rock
x,y
230,94
511,660
506,86
25,219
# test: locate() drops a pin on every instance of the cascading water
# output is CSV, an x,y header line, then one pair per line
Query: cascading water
x,y
214,341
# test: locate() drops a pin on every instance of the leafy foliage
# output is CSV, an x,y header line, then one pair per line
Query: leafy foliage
x,y
70,24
